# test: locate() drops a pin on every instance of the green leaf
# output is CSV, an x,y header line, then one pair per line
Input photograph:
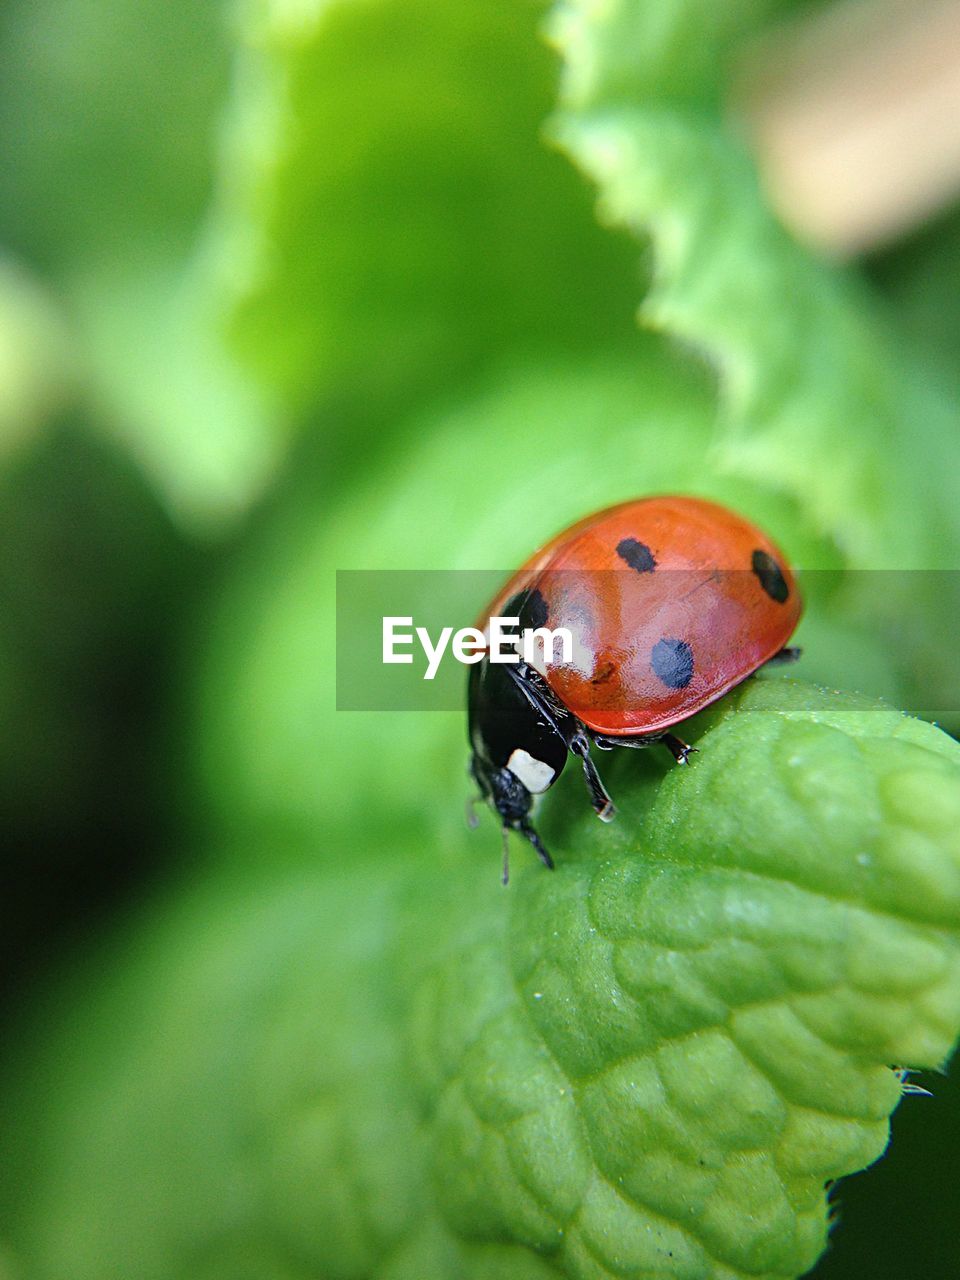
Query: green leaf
x,y
168,389
390,215
37,374
915,278
646,1064
106,108
92,584
110,110
815,398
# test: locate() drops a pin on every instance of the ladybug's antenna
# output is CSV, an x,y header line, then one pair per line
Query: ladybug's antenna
x,y
506,855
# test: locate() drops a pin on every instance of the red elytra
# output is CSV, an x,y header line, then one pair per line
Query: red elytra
x,y
673,587
670,602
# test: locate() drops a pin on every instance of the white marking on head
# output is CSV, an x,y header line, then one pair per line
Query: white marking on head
x,y
534,774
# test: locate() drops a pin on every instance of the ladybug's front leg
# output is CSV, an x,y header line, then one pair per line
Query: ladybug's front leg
x,y
603,806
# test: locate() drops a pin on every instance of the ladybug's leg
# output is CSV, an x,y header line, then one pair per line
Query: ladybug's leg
x,y
608,744
602,804
790,654
525,827
677,747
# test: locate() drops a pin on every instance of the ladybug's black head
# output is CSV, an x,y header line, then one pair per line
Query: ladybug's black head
x,y
519,739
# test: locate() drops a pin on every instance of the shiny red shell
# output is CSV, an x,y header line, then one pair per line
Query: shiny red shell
x,y
673,585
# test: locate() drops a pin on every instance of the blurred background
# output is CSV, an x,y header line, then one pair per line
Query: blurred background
x,y
288,286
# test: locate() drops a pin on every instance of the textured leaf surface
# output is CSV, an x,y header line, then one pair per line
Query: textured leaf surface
x,y
644,1065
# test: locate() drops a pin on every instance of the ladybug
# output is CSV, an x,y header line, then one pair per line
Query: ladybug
x,y
670,602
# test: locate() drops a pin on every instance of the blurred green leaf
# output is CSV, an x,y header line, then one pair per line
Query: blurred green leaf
x,y
37,374
815,399
647,1063
164,383
109,116
93,582
918,277
390,215
106,110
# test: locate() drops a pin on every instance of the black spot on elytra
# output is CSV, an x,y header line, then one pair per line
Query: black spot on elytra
x,y
529,606
770,575
672,662
637,555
